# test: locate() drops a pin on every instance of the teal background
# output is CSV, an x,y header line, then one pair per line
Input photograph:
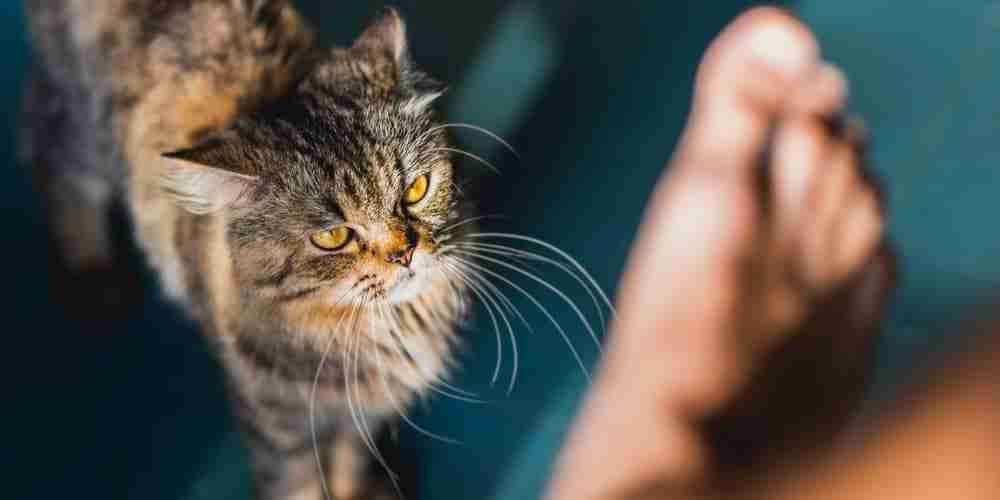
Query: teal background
x,y
593,95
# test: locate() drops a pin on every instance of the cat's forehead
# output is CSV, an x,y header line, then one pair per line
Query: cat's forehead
x,y
367,189
356,150
375,143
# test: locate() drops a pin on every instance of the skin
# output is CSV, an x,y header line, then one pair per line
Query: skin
x,y
698,393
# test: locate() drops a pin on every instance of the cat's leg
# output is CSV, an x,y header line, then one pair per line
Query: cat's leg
x,y
72,167
348,461
351,473
281,473
282,457
294,446
292,471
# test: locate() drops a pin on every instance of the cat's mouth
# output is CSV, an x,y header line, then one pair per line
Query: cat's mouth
x,y
394,284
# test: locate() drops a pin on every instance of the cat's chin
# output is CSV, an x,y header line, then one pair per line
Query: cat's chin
x,y
408,288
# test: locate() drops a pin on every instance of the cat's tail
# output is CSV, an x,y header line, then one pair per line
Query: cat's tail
x,y
93,275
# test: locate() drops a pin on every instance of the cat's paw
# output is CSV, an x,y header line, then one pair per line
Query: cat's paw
x,y
368,486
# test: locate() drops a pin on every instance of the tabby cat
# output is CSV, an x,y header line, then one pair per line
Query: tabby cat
x,y
292,199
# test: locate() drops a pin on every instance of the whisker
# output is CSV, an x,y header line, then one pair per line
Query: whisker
x,y
477,129
312,400
433,379
432,382
513,340
507,303
469,155
366,431
432,385
474,278
569,258
506,251
496,327
355,412
396,405
546,284
543,309
460,298
468,221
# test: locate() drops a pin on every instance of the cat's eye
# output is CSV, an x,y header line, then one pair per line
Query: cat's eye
x,y
332,239
417,190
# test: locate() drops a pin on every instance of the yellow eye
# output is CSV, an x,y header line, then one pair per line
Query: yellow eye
x,y
332,239
418,190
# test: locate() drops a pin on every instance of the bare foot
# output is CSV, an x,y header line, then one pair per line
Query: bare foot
x,y
764,222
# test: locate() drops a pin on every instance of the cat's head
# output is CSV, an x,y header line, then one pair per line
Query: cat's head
x,y
339,191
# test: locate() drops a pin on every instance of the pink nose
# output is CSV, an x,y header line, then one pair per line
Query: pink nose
x,y
402,257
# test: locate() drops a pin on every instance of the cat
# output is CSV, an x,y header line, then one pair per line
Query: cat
x,y
292,199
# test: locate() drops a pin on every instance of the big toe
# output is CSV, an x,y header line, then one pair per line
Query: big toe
x,y
748,77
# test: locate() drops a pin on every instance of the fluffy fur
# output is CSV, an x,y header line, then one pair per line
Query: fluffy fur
x,y
231,139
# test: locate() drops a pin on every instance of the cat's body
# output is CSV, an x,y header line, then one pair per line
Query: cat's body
x,y
242,153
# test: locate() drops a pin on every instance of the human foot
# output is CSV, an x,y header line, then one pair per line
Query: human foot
x,y
738,249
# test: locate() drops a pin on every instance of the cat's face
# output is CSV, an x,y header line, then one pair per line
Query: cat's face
x,y
354,193
338,193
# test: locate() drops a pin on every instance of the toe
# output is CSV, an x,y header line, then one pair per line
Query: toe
x,y
857,234
823,94
832,225
802,145
744,82
816,243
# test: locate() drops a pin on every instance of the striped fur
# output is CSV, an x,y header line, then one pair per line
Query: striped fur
x,y
231,138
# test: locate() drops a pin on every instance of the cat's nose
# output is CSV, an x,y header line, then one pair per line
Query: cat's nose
x,y
402,257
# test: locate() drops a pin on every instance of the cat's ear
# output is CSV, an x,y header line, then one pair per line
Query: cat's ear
x,y
387,34
208,177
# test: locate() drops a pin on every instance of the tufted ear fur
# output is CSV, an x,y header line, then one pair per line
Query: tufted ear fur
x,y
208,177
387,35
420,102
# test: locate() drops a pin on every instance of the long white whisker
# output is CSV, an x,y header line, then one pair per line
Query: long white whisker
x,y
546,284
513,310
470,220
312,399
513,339
395,403
469,155
477,129
506,301
569,258
448,281
355,411
485,294
548,315
496,326
432,382
468,397
393,477
523,254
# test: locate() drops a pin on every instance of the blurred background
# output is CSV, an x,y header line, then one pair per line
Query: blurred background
x,y
593,96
